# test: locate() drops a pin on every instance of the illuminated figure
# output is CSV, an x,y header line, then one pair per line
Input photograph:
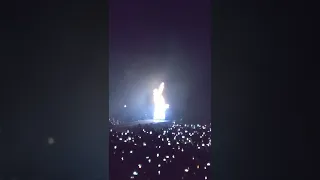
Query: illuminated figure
x,y
160,105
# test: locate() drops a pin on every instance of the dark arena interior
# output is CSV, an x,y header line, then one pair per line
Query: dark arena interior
x,y
162,150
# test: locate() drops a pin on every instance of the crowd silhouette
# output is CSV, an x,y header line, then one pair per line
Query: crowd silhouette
x,y
172,151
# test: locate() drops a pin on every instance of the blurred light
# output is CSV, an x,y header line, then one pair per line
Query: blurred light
x,y
135,173
186,170
122,158
159,172
149,160
164,159
167,157
198,166
208,164
173,156
139,165
159,165
157,154
147,157
131,152
205,177
144,144
115,147
125,106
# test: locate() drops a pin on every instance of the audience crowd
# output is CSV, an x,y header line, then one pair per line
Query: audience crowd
x,y
171,151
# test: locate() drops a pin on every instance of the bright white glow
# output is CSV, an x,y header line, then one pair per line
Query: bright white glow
x,y
135,173
125,106
160,105
139,165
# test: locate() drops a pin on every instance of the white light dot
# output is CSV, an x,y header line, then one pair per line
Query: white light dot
x,y
135,173
157,154
122,158
173,156
131,152
51,141
159,165
164,159
144,144
186,170
208,164
147,157
205,177
149,160
159,172
115,147
139,165
167,157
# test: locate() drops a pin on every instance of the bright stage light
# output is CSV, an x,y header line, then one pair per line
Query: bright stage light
x,y
160,106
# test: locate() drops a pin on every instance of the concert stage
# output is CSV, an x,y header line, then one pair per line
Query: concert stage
x,y
154,123
144,122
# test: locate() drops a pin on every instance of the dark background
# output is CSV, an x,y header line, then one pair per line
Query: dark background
x,y
55,83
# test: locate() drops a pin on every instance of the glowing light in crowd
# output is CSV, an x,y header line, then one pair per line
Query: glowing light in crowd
x,y
160,105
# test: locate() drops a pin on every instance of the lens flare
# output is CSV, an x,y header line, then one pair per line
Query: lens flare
x,y
160,106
